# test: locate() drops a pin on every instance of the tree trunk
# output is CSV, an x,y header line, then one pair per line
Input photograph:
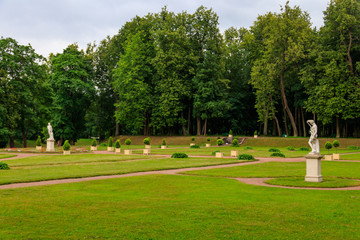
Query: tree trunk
x,y
23,132
282,88
337,128
117,129
205,126
183,124
188,123
285,121
12,141
99,132
266,122
277,125
198,126
303,122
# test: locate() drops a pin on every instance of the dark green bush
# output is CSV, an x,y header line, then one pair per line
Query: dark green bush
x,y
117,144
179,155
4,166
255,133
195,146
163,142
277,154
230,132
304,149
66,146
246,157
208,139
235,143
353,147
192,138
38,141
110,142
220,142
248,148
94,142
328,146
291,148
103,144
147,141
274,150
336,144
128,141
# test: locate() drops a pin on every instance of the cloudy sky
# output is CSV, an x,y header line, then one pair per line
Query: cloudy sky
x,y
51,25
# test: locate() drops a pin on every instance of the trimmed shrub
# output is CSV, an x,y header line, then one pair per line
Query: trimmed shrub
x,y
128,141
208,139
163,142
304,149
353,147
103,144
38,141
66,146
179,155
4,166
220,142
94,142
117,144
230,132
235,143
291,148
277,154
147,141
274,150
246,157
110,142
214,153
248,148
193,139
336,144
255,133
328,146
195,146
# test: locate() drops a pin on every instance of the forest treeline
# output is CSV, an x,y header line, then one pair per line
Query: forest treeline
x,y
177,74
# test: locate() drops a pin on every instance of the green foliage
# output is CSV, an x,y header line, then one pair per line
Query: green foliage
x,y
214,153
290,148
274,150
248,148
208,139
304,149
220,142
103,145
246,157
195,146
117,144
147,141
4,166
255,133
110,142
66,146
352,147
94,143
235,143
277,154
328,146
179,155
163,142
128,141
336,143
38,141
230,132
193,139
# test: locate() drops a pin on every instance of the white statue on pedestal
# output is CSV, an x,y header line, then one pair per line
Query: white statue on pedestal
x,y
313,141
50,130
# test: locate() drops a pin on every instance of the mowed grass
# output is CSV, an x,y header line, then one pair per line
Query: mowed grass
x,y
355,156
177,207
38,169
283,169
326,183
2,156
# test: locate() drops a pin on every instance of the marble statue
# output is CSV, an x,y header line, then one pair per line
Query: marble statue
x,y
50,130
313,141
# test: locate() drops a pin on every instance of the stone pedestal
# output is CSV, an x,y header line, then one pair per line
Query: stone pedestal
x,y
313,168
329,157
93,148
128,151
192,144
110,149
234,153
66,152
118,150
163,146
50,145
208,145
38,148
336,156
147,146
219,154
146,151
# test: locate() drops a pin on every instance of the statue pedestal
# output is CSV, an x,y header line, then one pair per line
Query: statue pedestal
x,y
50,145
313,168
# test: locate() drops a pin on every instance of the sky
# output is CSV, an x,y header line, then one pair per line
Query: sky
x,y
51,25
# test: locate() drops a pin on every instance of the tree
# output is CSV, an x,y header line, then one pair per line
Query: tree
x,y
71,74
24,90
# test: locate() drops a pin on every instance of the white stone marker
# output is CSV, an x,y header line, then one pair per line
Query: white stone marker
x,y
313,159
50,142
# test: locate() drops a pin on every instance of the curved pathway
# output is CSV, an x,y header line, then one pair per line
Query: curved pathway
x,y
252,181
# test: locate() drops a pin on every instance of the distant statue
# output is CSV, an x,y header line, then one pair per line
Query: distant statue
x,y
50,130
313,141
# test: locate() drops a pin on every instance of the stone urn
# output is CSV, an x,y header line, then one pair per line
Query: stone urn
x,y
208,145
93,148
66,152
192,144
255,136
38,148
117,150
163,146
110,149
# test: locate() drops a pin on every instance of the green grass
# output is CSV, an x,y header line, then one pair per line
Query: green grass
x,y
284,169
327,182
2,156
47,169
176,207
355,156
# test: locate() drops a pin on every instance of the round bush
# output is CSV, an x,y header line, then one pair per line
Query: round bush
x,y
248,148
192,138
94,142
328,146
4,166
66,146
220,142
353,147
255,133
128,141
195,146
38,141
110,142
179,155
274,150
336,143
163,142
117,144
277,154
304,149
230,132
291,148
246,157
208,139
147,141
235,143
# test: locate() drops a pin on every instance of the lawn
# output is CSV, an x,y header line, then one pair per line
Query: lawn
x,y
355,156
177,207
59,167
2,156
